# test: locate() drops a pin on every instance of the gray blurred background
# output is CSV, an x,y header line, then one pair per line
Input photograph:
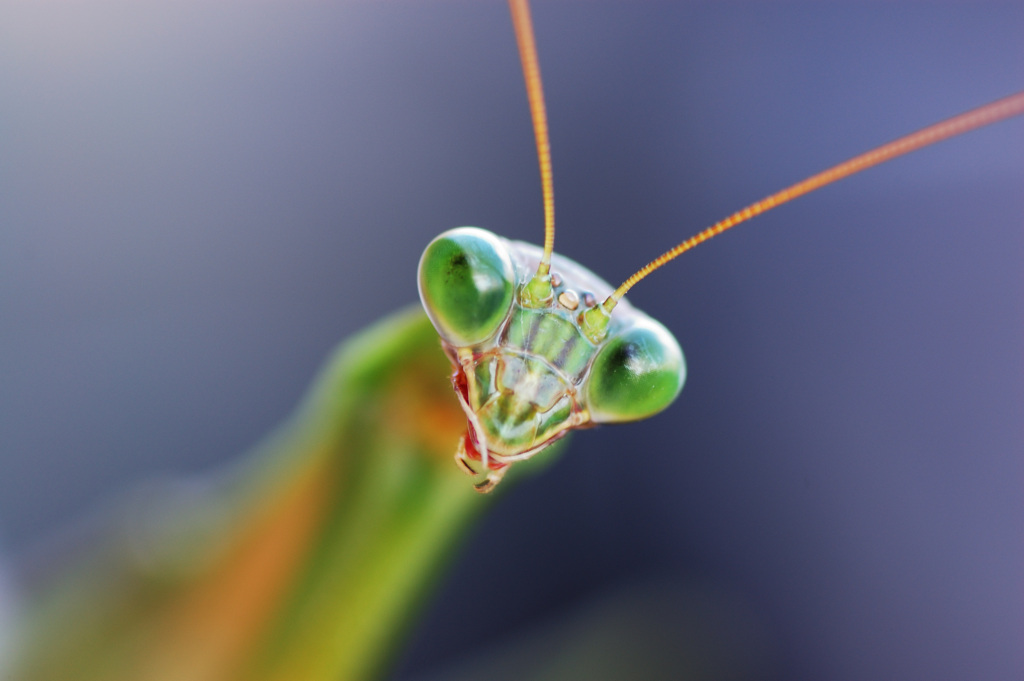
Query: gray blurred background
x,y
199,199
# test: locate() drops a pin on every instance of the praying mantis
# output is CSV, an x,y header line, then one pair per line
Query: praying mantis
x,y
852,420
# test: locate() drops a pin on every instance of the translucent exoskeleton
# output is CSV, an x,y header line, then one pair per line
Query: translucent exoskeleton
x,y
528,373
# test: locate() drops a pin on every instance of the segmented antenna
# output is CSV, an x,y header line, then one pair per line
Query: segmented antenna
x,y
538,290
965,122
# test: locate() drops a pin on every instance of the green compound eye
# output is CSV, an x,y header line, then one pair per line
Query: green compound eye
x,y
466,284
636,374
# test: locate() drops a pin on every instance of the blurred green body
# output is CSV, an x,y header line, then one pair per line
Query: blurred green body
x,y
305,564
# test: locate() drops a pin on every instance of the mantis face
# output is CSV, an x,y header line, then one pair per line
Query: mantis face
x,y
529,371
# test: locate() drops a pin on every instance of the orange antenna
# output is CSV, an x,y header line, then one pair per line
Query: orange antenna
x,y
539,288
965,122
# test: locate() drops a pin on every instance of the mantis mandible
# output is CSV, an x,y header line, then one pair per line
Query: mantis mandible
x,y
653,458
